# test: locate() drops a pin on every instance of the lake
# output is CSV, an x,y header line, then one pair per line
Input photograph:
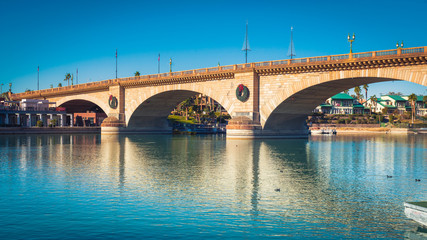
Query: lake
x,y
207,187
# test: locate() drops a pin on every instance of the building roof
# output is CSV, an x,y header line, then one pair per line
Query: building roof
x,y
325,105
342,96
358,105
385,105
396,97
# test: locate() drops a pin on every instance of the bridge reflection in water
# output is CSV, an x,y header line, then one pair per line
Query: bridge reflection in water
x,y
335,187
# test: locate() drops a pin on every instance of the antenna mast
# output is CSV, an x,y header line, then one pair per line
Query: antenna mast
x,y
291,48
246,47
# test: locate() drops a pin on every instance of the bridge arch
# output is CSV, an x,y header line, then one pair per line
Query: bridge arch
x,y
150,109
293,103
103,104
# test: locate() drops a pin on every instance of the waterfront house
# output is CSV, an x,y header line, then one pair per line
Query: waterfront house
x,y
397,103
341,103
420,106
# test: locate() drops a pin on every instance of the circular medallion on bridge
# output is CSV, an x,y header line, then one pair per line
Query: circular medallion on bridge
x,y
112,101
242,93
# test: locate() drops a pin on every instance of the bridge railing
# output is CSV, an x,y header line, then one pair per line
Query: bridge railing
x,y
228,68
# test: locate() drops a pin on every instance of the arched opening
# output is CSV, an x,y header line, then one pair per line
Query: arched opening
x,y
85,113
291,114
175,110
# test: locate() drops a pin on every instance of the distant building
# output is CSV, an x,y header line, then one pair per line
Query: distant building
x,y
341,103
27,112
89,119
420,106
397,103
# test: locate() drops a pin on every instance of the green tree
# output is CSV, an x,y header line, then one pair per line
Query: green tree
x,y
374,102
346,91
67,78
385,111
137,74
357,91
413,99
365,87
59,84
425,100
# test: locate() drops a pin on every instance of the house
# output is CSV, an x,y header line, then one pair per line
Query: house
x,y
397,103
341,103
420,106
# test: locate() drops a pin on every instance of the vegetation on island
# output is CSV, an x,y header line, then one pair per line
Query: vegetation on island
x,y
199,109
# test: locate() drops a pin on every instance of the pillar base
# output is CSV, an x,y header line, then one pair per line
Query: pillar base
x,y
112,125
245,128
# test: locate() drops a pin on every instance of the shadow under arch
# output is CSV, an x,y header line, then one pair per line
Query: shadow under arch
x,y
151,114
291,113
80,105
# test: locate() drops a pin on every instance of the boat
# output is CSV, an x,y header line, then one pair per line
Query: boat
x,y
323,131
417,211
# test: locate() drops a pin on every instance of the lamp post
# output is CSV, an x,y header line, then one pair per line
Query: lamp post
x,y
401,44
351,40
10,87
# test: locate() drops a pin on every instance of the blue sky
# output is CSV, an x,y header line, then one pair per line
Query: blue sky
x,y
61,36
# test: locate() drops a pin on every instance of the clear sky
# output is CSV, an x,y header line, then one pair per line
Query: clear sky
x,y
61,36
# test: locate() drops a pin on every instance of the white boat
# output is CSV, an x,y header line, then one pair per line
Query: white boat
x,y
322,131
417,211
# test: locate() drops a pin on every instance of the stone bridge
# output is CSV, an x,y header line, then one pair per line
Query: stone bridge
x,y
280,94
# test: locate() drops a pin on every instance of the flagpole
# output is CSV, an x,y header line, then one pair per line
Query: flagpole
x,y
158,60
38,77
246,48
116,63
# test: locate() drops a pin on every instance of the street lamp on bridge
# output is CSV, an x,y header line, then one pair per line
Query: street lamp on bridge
x,y
351,40
401,44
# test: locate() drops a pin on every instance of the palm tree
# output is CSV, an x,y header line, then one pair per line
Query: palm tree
x,y
137,74
67,78
413,99
365,87
373,98
357,91
374,101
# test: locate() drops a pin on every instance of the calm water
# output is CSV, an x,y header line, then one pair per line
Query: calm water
x,y
199,187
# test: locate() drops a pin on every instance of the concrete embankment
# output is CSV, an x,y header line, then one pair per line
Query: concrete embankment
x,y
49,130
380,130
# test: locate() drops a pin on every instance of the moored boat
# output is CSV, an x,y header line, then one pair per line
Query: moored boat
x,y
323,131
417,211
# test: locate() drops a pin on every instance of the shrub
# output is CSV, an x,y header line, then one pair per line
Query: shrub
x,y
53,122
39,123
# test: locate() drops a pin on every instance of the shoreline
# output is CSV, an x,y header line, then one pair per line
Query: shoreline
x,y
48,130
379,130
92,130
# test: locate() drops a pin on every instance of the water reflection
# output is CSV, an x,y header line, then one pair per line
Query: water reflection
x,y
323,186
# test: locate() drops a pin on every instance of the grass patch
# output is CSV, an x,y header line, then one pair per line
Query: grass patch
x,y
181,119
